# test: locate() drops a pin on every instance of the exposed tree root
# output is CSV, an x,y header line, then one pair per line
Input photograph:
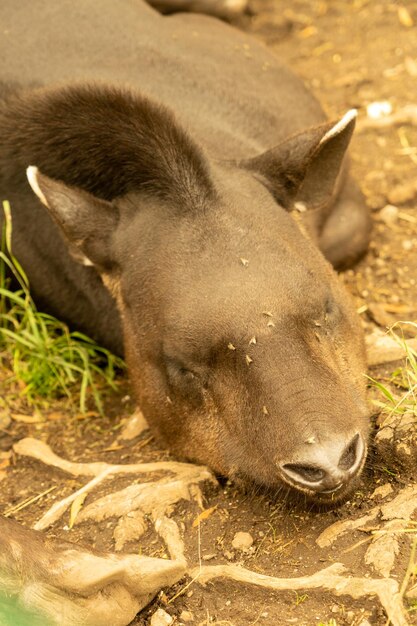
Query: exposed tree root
x,y
385,540
67,585
160,494
330,578
75,580
72,586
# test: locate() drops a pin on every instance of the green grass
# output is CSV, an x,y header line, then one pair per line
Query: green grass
x,y
404,379
11,614
46,359
399,397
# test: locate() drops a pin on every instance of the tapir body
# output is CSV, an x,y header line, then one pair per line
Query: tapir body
x,y
184,168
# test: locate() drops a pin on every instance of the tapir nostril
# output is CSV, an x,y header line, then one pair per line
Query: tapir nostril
x,y
350,454
308,473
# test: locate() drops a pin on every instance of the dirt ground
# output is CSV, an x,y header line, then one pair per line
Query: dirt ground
x,y
351,53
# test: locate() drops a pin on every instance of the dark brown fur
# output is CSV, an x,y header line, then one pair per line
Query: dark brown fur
x,y
180,192
106,140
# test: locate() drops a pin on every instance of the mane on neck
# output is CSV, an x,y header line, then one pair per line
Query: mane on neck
x,y
106,140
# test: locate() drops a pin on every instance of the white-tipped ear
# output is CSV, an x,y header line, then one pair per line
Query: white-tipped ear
x,y
87,222
32,176
340,125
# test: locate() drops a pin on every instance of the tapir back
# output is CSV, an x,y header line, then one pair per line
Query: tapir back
x,y
225,87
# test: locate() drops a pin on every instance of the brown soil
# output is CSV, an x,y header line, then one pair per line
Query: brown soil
x,y
351,53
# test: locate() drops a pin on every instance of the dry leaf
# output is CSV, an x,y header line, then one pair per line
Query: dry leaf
x,y
411,66
405,17
306,32
114,446
76,507
4,463
56,415
204,515
26,419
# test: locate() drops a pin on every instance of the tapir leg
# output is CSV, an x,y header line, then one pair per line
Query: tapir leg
x,y
345,235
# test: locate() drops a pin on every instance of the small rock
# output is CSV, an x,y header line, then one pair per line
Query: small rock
x,y
389,214
161,618
350,616
186,616
242,541
208,557
365,622
335,608
376,110
407,244
383,491
403,193
229,555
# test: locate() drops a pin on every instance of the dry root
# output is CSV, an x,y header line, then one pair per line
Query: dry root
x,y
72,586
330,578
384,539
155,497
130,581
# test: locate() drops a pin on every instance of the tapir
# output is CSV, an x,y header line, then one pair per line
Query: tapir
x,y
179,195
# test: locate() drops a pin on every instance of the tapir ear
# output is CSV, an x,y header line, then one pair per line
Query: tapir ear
x,y
306,166
87,222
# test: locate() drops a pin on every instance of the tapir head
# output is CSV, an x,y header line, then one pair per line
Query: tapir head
x,y
243,347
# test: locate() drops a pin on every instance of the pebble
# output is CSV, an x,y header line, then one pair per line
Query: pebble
x,y
161,618
186,616
407,244
376,110
242,541
403,193
389,214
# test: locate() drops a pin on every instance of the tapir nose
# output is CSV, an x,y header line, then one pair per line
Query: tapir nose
x,y
327,468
